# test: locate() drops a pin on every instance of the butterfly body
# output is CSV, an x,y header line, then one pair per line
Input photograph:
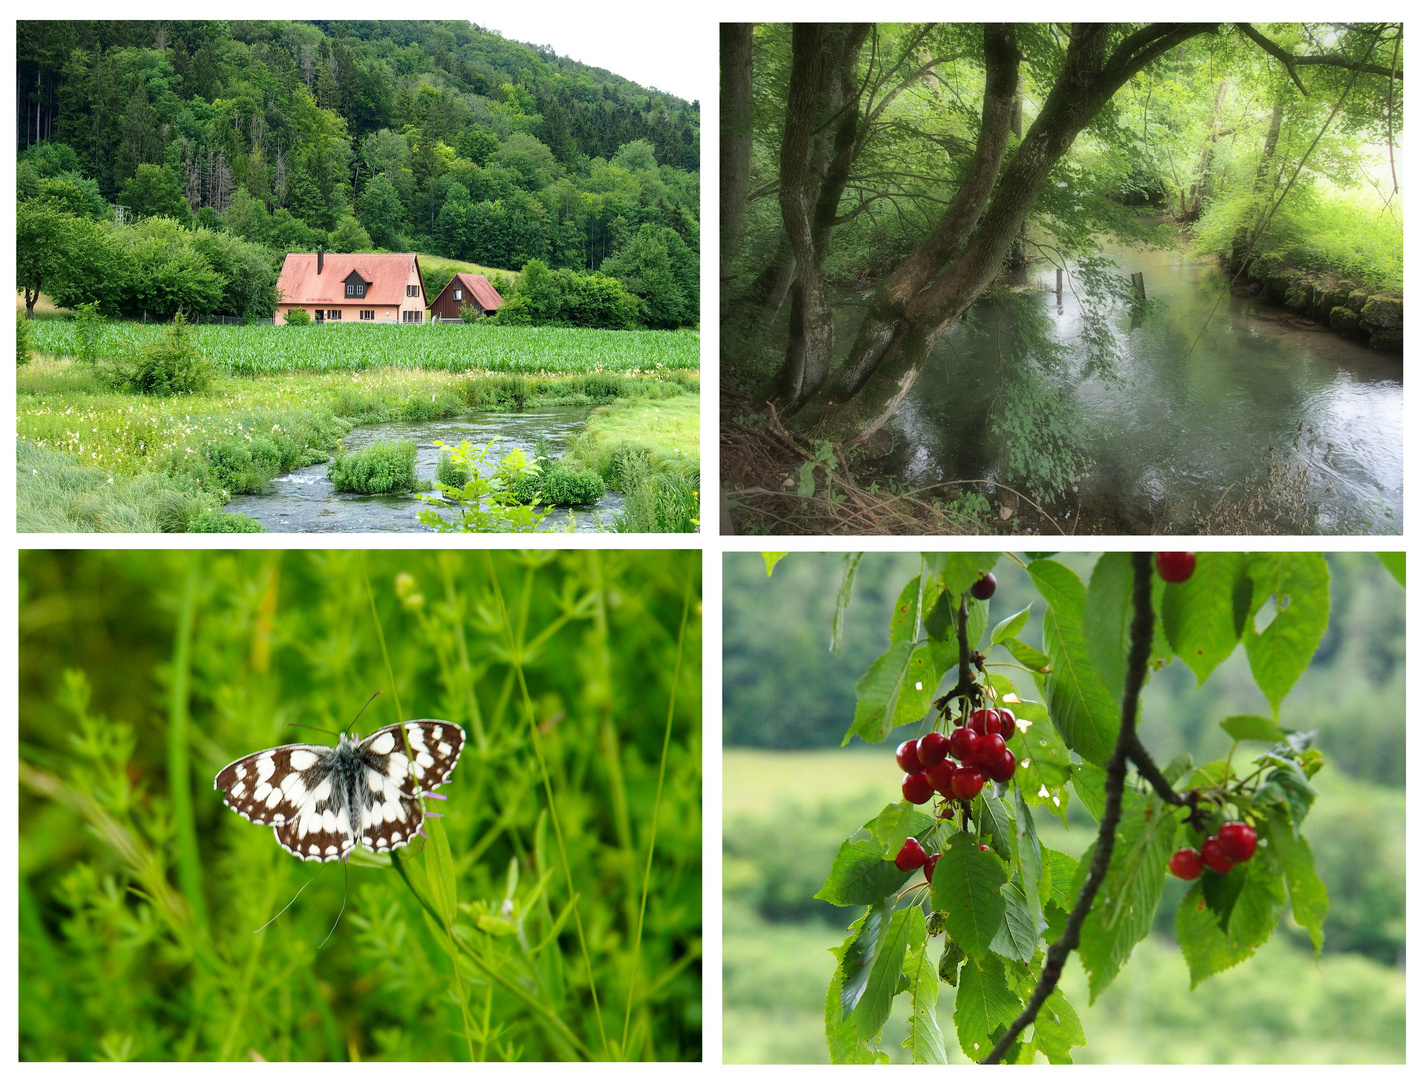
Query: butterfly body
x,y
323,801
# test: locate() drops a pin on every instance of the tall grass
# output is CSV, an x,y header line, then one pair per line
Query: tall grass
x,y
554,911
262,350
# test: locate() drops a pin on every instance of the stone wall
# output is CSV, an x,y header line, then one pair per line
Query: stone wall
x,y
1342,305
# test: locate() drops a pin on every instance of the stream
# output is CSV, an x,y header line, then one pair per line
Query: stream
x,y
1181,425
304,500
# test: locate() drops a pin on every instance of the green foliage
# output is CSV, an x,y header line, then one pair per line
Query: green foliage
x,y
656,499
118,959
216,521
298,317
23,347
89,330
163,367
449,474
555,484
383,468
487,501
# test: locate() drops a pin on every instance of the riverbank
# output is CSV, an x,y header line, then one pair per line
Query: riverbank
x,y
179,456
1324,300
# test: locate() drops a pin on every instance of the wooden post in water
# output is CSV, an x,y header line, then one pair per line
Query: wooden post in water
x,y
1138,281
1059,284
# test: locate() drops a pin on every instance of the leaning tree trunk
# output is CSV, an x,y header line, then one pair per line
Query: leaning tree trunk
x,y
1239,247
1190,207
737,115
937,282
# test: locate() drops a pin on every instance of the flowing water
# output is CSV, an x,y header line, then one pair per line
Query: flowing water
x,y
1181,425
305,500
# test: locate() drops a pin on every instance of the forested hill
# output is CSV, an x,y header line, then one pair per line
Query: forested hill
x,y
436,136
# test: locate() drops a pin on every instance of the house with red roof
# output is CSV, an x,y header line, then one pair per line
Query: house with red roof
x,y
352,288
472,289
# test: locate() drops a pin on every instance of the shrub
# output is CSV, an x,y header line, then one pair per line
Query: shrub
x,y
218,521
656,501
89,331
449,472
487,502
556,484
298,317
469,313
169,365
380,469
22,340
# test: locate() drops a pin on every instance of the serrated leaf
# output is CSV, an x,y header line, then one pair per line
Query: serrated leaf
x,y
966,887
1124,907
860,875
1203,944
857,954
960,569
1089,783
1042,758
1034,661
1204,616
1083,710
1017,937
995,821
1058,872
1307,895
938,623
846,1046
1027,856
1057,1029
893,826
877,694
920,684
842,598
925,1038
1221,891
1298,583
977,621
903,623
771,558
1106,618
1288,787
985,1004
1260,903
903,929
1395,562
1253,728
1011,626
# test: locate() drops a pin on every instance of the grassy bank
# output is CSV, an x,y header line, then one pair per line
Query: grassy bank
x,y
80,439
650,450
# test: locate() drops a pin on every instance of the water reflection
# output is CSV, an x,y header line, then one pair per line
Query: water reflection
x,y
305,500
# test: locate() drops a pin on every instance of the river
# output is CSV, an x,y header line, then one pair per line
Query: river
x,y
1181,424
304,500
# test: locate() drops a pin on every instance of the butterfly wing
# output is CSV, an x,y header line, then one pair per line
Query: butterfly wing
x,y
391,780
297,790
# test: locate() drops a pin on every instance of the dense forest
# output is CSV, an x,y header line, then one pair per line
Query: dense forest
x,y
350,136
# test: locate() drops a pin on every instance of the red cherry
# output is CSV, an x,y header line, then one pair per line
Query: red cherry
x,y
1213,856
929,865
941,776
989,747
1001,767
1185,864
985,722
907,755
917,788
984,847
1237,841
967,782
984,587
962,743
932,748
911,856
1175,566
1006,723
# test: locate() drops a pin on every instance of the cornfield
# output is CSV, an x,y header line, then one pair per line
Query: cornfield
x,y
261,350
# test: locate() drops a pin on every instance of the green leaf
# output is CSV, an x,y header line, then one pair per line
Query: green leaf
x,y
877,694
1017,937
903,623
1089,783
439,865
977,621
893,826
1011,626
1395,563
1058,871
995,821
1057,1029
841,600
860,875
952,958
938,623
1298,583
771,558
966,887
985,1004
925,1038
1106,619
1205,615
1307,895
1203,944
1027,856
1081,706
920,684
1287,787
1260,903
1124,907
903,929
960,569
1252,728
1028,657
1043,763
846,1046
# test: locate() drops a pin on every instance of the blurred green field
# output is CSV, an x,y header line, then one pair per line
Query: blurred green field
x,y
1281,1006
576,869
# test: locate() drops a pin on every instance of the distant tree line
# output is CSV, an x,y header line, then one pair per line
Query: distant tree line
x,y
435,137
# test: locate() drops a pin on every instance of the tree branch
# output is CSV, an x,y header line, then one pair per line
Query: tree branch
x,y
1142,630
1290,61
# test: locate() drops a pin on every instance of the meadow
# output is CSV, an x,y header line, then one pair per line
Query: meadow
x,y
552,913
265,350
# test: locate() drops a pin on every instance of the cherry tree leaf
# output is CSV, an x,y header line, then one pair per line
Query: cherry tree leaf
x,y
967,888
1204,616
1297,583
986,1004
925,1038
1082,708
1307,895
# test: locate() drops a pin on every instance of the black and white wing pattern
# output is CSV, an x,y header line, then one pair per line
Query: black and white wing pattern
x,y
321,802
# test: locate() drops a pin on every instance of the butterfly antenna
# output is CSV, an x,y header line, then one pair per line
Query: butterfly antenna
x,y
283,911
344,894
362,709
312,727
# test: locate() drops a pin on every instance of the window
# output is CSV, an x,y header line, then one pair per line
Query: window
x,y
367,314
334,313
412,316
350,290
458,294
412,290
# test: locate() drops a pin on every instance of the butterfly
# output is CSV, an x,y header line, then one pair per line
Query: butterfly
x,y
322,802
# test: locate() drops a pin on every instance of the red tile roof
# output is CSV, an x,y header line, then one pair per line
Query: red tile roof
x,y
480,289
388,274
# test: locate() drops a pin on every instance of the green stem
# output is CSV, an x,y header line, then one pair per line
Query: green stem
x,y
179,778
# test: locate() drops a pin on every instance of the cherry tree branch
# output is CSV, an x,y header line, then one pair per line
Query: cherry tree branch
x,y
1142,630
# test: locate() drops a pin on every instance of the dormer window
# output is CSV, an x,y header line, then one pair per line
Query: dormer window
x,y
355,284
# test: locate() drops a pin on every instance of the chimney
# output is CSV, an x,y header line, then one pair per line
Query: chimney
x,y
320,261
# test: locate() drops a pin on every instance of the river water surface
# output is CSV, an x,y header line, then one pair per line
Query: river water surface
x,y
305,500
1181,424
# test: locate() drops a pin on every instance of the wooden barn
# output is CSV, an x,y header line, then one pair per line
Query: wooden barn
x,y
473,289
352,288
